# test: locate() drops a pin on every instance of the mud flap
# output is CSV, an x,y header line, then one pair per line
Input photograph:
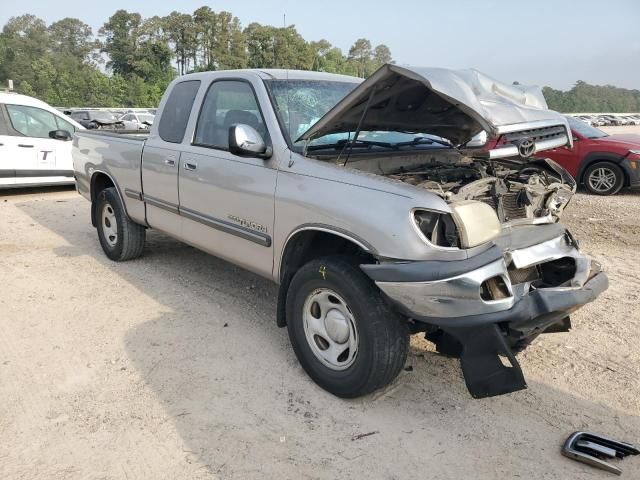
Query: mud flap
x,y
484,372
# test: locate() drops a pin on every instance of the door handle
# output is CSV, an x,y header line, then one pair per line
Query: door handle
x,y
190,166
22,145
170,161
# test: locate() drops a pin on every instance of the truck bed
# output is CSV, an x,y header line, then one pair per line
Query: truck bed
x,y
114,154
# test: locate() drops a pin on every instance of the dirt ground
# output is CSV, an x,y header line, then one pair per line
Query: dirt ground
x,y
171,367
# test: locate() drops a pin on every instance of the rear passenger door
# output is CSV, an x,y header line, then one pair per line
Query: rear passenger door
x,y
161,157
227,201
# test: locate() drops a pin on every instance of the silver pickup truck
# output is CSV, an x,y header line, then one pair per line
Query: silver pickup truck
x,y
407,203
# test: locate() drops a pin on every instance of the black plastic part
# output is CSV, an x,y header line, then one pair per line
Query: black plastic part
x,y
590,448
483,369
429,270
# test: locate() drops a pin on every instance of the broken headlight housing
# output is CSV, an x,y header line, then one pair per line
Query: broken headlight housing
x,y
437,228
469,224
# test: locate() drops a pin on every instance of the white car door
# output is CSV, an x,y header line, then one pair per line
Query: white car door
x,y
38,158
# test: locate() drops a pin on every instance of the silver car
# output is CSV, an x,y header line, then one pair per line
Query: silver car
x,y
407,203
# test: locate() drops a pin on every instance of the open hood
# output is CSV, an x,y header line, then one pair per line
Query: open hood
x,y
453,104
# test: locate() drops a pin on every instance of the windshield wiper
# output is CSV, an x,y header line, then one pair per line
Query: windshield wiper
x,y
340,144
372,143
425,141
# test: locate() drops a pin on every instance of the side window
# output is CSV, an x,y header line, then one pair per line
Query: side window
x,y
227,102
32,121
64,125
175,115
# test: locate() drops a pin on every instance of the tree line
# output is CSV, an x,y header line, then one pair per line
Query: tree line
x,y
593,98
132,59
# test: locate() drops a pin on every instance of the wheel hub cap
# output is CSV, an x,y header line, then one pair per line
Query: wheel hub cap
x,y
109,225
602,179
337,326
330,329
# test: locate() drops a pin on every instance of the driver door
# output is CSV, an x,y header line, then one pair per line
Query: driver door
x,y
227,201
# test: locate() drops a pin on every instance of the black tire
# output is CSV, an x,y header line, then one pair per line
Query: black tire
x,y
126,241
382,335
602,170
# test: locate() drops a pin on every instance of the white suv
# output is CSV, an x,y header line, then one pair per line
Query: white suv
x,y
35,142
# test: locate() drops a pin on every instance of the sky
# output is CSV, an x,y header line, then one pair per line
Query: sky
x,y
541,42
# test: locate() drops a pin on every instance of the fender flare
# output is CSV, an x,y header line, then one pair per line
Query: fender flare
x,y
94,175
283,276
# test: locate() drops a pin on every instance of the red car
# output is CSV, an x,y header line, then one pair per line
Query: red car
x,y
603,163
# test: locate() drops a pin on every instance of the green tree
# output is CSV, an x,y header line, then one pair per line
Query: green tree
x,y
360,55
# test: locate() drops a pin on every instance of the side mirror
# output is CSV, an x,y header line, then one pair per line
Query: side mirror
x,y
62,135
245,140
576,138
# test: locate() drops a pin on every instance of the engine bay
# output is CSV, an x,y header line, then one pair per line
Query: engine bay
x,y
515,191
519,190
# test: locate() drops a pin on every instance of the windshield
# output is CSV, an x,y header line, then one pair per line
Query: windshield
x,y
585,129
301,103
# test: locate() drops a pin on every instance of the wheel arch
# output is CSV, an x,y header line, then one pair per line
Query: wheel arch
x,y
309,242
101,180
595,157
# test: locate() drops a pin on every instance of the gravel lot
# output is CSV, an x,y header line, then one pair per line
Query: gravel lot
x,y
171,366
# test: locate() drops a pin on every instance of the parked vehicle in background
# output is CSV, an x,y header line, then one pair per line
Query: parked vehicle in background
x,y
137,121
603,163
35,143
631,120
586,118
612,120
369,211
96,119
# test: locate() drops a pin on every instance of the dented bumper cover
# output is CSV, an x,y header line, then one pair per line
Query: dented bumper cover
x,y
451,297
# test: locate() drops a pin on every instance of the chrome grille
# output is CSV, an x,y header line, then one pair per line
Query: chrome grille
x,y
536,134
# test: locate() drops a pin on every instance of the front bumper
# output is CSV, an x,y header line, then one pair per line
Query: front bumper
x,y
446,296
455,301
632,170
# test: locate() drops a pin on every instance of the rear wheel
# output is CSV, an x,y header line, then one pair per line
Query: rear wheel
x,y
344,334
603,178
121,238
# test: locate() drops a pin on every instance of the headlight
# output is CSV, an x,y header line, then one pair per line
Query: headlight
x,y
437,228
477,222
469,224
635,152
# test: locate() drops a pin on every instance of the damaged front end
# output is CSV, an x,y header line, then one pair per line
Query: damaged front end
x,y
516,272
486,308
519,193
421,126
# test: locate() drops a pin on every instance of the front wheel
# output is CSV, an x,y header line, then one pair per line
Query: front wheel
x,y
344,334
120,237
603,178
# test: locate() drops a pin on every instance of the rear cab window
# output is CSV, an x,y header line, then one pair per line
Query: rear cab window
x,y
176,112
